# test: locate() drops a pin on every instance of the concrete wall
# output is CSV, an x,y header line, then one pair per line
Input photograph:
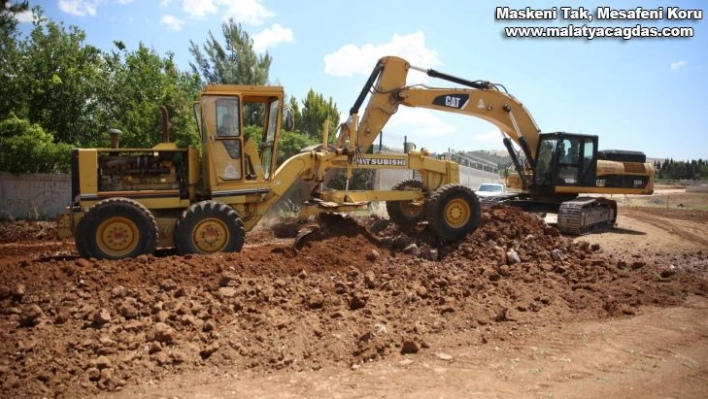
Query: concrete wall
x,y
33,196
697,188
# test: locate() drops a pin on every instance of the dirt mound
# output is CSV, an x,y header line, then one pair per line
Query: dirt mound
x,y
27,230
359,290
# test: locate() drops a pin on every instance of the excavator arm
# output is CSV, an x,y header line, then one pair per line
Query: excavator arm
x,y
388,89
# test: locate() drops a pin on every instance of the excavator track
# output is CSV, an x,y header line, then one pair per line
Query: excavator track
x,y
584,215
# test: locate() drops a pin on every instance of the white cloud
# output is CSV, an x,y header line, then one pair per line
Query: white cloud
x,y
250,12
272,36
165,3
677,65
172,22
199,8
24,16
124,2
80,8
351,59
418,122
491,136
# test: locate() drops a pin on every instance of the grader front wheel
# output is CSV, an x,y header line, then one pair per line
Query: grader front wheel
x,y
209,227
116,228
452,211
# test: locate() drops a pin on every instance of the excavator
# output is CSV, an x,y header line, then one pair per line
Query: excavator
x,y
128,202
552,169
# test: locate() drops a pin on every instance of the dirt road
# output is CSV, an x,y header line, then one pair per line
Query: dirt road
x,y
514,310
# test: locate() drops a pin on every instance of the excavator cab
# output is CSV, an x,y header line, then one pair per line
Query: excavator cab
x,y
565,160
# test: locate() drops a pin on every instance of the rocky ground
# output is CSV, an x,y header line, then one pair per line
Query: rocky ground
x,y
358,292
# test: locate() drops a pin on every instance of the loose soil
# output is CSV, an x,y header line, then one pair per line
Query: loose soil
x,y
364,310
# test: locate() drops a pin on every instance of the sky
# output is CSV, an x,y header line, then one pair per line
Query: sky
x,y
641,94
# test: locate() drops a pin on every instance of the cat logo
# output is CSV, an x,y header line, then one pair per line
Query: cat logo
x,y
456,101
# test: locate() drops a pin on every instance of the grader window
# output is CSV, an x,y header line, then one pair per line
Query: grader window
x,y
227,115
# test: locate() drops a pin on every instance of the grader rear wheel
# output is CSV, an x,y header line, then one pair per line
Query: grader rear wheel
x,y
453,211
404,213
116,228
209,227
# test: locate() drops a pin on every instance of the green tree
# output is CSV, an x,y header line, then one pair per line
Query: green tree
x,y
234,62
143,81
60,78
8,20
315,111
27,148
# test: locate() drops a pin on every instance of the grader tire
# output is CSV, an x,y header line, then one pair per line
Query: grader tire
x,y
208,227
116,228
403,213
452,211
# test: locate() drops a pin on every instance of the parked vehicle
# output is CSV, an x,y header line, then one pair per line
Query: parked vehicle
x,y
490,189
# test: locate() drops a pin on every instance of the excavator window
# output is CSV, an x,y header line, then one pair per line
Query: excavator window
x,y
543,172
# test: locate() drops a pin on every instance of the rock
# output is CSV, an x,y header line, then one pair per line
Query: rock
x,y
512,257
161,316
638,264
411,249
669,271
430,254
421,291
557,255
356,303
227,292
128,308
118,291
551,231
103,316
209,325
302,275
163,333
369,278
84,263
30,316
209,350
409,347
316,301
18,292
228,279
101,362
93,374
4,292
373,255
161,358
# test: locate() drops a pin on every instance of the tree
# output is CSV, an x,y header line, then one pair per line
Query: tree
x,y
141,82
27,148
60,78
315,111
8,20
232,63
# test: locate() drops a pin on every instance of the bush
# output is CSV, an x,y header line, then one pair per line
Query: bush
x,y
27,148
